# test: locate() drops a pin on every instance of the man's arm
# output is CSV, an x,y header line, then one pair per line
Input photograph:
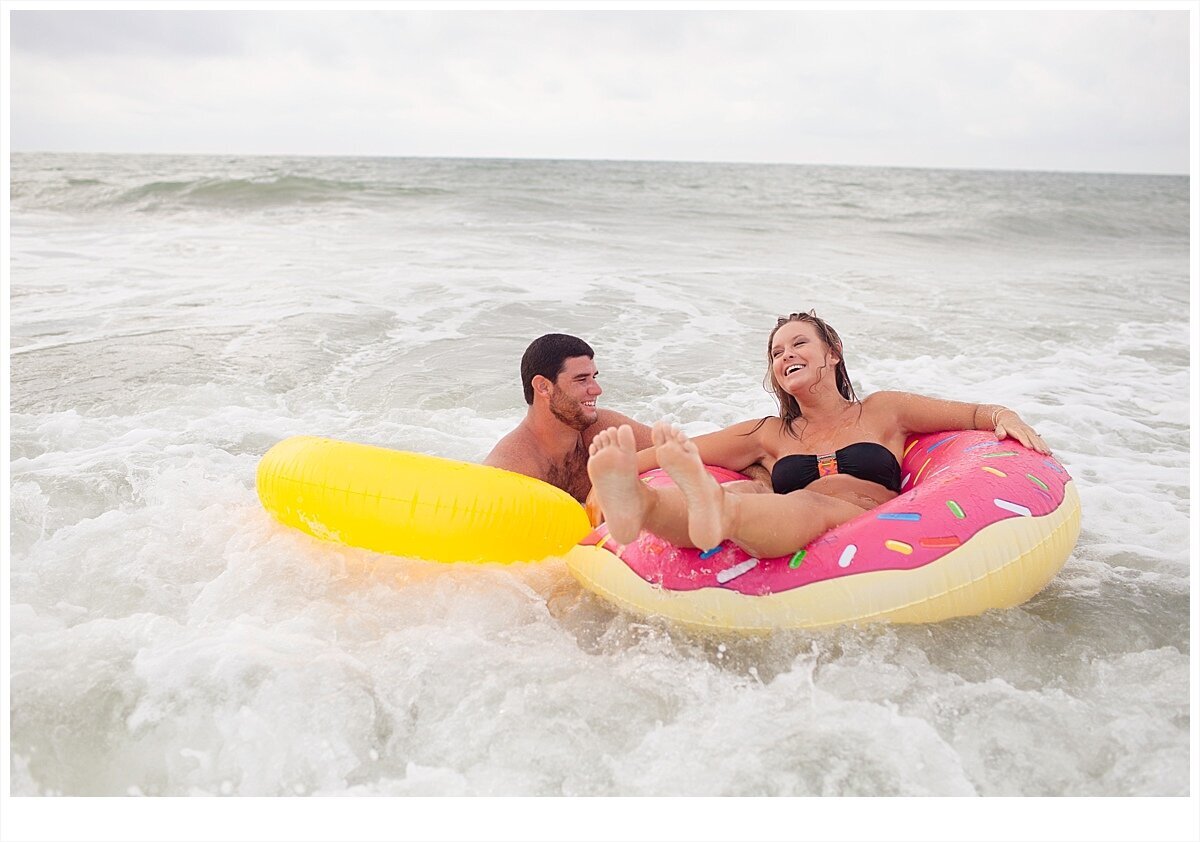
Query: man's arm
x,y
759,474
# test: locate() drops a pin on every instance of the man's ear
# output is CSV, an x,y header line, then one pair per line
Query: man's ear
x,y
541,385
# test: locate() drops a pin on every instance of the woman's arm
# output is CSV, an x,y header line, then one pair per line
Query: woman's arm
x,y
735,448
920,414
1008,424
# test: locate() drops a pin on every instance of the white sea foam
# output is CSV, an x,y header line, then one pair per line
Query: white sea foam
x,y
173,318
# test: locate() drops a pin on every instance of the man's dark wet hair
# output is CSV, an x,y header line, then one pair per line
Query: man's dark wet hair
x,y
547,355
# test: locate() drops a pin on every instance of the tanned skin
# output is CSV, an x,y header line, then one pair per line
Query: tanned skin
x,y
551,443
700,513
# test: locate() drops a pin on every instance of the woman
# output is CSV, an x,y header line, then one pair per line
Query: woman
x,y
831,456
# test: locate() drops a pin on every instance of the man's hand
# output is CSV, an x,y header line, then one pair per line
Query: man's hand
x,y
760,475
592,506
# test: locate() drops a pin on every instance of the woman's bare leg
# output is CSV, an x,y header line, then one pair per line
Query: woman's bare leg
x,y
764,525
699,513
630,505
709,509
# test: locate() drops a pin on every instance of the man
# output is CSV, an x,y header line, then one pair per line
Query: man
x,y
558,374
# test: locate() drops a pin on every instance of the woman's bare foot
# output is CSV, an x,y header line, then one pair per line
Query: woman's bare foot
x,y
613,469
707,509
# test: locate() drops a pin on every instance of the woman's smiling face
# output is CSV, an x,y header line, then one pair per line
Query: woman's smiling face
x,y
799,356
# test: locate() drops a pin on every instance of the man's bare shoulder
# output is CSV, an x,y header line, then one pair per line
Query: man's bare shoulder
x,y
518,452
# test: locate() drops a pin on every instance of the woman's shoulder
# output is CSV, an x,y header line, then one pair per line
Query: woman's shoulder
x,y
884,396
885,401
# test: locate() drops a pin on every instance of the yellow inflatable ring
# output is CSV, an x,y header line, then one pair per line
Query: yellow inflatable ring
x,y
414,505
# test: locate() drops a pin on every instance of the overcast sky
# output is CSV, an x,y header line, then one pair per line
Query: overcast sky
x,y
1047,90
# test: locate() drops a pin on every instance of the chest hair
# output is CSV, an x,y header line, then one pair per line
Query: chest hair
x,y
571,473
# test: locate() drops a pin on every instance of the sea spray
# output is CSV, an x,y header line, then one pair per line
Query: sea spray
x,y
172,317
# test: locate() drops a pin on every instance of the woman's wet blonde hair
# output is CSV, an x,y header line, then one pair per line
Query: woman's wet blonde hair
x,y
789,407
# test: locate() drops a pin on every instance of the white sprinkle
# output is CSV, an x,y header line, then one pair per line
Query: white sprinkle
x,y
847,556
904,481
1015,508
737,570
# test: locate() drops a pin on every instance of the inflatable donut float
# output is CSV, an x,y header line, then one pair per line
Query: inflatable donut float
x,y
979,524
414,505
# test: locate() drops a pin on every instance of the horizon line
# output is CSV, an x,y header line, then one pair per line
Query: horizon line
x,y
957,168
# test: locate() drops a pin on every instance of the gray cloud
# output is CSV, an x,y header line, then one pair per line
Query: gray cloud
x,y
88,33
1039,90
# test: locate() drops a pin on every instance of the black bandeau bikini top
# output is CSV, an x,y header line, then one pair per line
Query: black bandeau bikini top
x,y
865,460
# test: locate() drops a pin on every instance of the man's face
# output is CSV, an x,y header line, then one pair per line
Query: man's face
x,y
573,393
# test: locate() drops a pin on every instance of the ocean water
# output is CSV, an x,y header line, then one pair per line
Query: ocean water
x,y
173,317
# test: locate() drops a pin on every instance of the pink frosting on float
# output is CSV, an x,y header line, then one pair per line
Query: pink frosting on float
x,y
953,485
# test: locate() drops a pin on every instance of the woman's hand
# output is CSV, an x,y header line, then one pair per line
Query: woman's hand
x,y
1009,425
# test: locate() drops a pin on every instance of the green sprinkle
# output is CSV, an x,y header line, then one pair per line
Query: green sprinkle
x,y
1038,482
956,509
797,560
